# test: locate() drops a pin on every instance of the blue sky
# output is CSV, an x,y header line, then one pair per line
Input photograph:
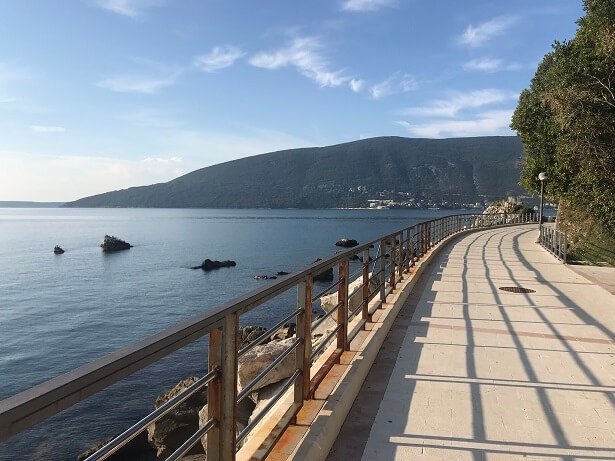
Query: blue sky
x,y
98,95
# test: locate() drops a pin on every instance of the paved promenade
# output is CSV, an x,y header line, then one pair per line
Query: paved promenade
x,y
478,373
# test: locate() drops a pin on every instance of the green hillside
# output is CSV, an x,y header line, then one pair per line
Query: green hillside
x,y
343,175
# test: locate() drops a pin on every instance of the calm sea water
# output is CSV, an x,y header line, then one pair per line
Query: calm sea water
x,y
58,312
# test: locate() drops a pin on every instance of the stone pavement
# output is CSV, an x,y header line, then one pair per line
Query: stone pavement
x,y
478,373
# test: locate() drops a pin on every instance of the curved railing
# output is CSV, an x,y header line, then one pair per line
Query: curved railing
x,y
554,241
375,278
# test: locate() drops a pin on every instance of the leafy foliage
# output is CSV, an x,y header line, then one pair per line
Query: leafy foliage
x,y
344,175
566,119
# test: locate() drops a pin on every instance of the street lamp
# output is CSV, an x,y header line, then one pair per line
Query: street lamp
x,y
542,176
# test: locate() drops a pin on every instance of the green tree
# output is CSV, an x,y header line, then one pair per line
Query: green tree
x,y
566,118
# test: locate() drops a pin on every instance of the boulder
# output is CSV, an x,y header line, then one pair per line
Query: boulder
x,y
287,331
111,243
167,434
137,448
346,243
208,264
259,358
355,296
248,334
244,412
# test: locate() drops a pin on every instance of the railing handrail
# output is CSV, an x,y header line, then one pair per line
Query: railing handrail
x,y
31,406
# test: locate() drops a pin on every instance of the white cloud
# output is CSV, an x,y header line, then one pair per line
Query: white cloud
x,y
459,101
47,129
356,85
219,58
483,124
481,34
131,8
395,84
490,65
138,84
366,5
304,55
162,160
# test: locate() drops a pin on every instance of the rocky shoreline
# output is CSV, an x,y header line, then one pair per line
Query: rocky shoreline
x,y
167,434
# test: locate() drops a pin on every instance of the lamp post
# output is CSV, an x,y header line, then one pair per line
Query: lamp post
x,y
542,176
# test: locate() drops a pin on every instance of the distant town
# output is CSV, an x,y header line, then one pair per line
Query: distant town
x,y
406,201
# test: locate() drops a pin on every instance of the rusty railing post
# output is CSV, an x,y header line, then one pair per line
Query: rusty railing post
x,y
342,311
304,334
393,261
381,271
214,392
365,311
225,348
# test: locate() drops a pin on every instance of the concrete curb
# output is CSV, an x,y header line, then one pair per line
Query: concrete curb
x,y
322,433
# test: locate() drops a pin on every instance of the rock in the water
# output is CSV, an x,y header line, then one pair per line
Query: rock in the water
x,y
58,250
208,264
324,276
169,433
111,243
346,243
259,358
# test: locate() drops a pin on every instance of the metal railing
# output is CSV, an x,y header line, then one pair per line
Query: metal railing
x,y
554,241
376,278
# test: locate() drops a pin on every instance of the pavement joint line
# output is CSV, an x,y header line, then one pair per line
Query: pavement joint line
x,y
503,446
511,383
511,333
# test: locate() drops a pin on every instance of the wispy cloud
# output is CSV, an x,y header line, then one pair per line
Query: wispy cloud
x,y
131,8
150,81
483,33
304,54
489,65
356,85
459,101
219,58
367,5
395,84
47,129
483,124
130,84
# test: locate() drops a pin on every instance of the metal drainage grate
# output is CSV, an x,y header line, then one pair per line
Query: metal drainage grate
x,y
517,290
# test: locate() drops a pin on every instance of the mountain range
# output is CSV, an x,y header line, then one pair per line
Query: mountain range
x,y
462,170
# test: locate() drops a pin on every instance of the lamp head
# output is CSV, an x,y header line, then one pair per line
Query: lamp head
x,y
542,175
